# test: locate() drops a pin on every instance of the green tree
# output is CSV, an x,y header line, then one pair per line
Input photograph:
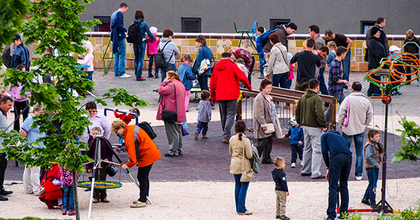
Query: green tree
x,y
12,13
56,23
410,136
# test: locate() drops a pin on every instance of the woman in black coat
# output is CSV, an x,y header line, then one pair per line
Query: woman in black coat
x,y
376,52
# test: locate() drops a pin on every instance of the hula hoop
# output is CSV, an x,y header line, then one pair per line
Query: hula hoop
x,y
100,184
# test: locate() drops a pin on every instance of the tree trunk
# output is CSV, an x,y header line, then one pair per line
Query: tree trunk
x,y
76,197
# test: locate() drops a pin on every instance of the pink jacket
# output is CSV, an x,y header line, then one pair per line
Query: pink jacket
x,y
88,60
152,45
15,93
168,100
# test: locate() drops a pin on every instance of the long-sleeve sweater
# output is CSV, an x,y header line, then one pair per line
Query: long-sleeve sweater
x,y
332,143
279,176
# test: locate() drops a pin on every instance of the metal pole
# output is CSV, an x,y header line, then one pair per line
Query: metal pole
x,y
384,160
96,163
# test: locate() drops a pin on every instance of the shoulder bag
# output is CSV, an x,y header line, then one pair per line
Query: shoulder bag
x,y
247,175
205,64
270,128
170,116
288,67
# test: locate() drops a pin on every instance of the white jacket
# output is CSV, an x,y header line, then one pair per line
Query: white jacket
x,y
360,114
276,63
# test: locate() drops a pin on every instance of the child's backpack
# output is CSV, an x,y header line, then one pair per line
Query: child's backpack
x,y
160,58
263,39
134,33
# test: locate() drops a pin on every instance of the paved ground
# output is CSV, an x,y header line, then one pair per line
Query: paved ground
x,y
208,160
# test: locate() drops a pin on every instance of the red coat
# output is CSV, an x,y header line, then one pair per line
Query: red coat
x,y
123,117
224,82
168,100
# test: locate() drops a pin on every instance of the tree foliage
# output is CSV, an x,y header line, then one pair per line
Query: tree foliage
x,y
411,138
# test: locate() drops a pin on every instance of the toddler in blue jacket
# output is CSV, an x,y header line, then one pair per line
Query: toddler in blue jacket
x,y
296,141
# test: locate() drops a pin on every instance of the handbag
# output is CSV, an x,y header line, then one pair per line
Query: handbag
x,y
111,170
204,65
170,116
346,119
247,175
185,130
270,129
288,72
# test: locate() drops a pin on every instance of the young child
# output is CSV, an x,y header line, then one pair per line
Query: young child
x,y
152,49
260,48
241,64
372,152
296,141
412,47
67,185
279,177
331,56
127,119
186,74
87,60
393,50
204,115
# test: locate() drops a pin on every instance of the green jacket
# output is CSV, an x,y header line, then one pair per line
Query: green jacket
x,y
310,110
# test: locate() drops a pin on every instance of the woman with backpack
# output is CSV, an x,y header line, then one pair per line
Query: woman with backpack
x,y
140,48
169,50
203,53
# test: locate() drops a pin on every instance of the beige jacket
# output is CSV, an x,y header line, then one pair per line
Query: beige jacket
x,y
237,147
276,63
262,117
360,114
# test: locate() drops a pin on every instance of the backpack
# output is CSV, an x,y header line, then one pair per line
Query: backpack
x,y
134,34
160,58
263,39
148,129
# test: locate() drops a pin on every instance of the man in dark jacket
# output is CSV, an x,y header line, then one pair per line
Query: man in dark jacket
x,y
380,23
283,32
5,57
20,54
376,52
310,114
337,156
118,32
411,45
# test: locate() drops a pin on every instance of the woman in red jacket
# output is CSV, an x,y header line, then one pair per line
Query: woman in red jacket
x,y
144,155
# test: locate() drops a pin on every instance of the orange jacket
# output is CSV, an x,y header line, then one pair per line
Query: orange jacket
x,y
149,153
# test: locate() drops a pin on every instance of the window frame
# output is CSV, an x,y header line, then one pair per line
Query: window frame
x,y
282,21
364,23
183,26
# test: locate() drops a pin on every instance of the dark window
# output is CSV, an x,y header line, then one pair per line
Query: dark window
x,y
365,25
191,25
106,23
275,22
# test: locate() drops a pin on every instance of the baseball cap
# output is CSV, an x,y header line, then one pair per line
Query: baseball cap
x,y
394,48
292,25
17,37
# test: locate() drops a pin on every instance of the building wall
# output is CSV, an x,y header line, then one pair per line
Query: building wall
x,y
342,16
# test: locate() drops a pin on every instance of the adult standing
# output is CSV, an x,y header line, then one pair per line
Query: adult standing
x,y
265,114
118,32
98,120
140,48
319,43
224,88
241,151
5,105
278,64
21,102
337,158
20,54
283,31
376,51
249,60
307,62
380,23
412,47
342,40
5,57
310,114
203,52
169,49
359,110
142,151
173,99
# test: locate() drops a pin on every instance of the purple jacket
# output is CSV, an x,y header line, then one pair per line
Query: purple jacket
x,y
168,100
15,93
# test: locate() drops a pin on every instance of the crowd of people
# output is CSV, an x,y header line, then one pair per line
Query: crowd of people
x,y
309,140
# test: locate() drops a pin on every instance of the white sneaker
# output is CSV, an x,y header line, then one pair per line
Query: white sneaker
x,y
293,165
125,76
301,163
359,178
138,204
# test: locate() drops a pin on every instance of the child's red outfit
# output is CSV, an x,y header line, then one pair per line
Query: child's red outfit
x,y
124,117
51,192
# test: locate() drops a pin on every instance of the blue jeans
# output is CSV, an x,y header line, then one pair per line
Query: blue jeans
x,y
339,170
262,62
203,81
280,79
370,195
202,125
119,59
296,150
89,76
340,98
139,50
322,86
241,189
152,58
168,68
68,199
346,67
358,143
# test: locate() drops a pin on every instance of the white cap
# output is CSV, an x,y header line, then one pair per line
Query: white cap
x,y
393,48
153,30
